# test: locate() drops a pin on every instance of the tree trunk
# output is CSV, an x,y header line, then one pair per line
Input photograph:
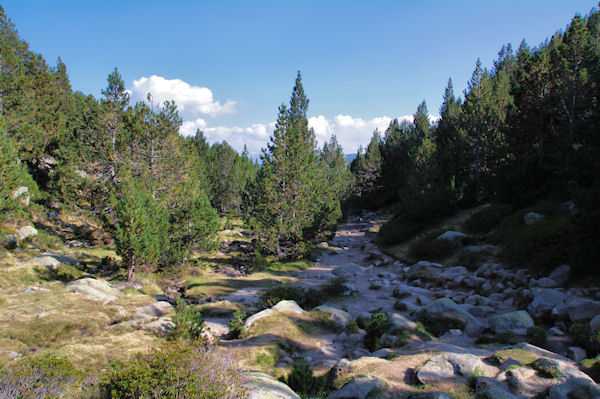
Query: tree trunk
x,y
131,270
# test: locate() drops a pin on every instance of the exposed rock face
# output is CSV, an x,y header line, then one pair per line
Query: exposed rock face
x,y
96,290
518,322
27,231
444,314
288,306
349,270
545,300
450,365
21,193
454,236
52,260
579,309
263,386
257,316
595,323
153,310
575,388
358,388
338,315
400,322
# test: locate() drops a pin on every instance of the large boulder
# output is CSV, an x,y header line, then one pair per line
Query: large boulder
x,y
518,322
424,270
27,231
450,235
153,310
579,388
595,323
288,306
96,290
579,309
444,314
358,388
449,366
263,386
338,315
51,260
257,316
561,274
348,270
545,300
400,322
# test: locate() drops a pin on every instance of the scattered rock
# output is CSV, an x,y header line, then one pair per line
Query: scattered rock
x,y
579,388
338,315
358,388
518,322
32,288
430,395
544,282
27,231
595,323
96,290
349,270
21,193
495,393
257,316
52,260
576,353
448,366
400,322
153,310
561,274
444,314
160,326
579,309
545,300
454,236
263,386
288,306
532,217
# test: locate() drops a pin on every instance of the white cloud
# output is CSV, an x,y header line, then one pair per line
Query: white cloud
x,y
190,100
351,132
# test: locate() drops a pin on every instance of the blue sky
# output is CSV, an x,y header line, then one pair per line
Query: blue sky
x,y
230,64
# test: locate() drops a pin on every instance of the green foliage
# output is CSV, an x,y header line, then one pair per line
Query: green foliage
x,y
305,298
259,262
138,224
288,206
544,244
13,175
304,383
487,218
537,336
188,323
39,377
375,329
546,368
584,337
66,272
236,324
433,249
177,370
352,327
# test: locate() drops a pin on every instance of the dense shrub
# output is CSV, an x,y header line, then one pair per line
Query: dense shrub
x,y
188,323
236,324
375,330
40,377
543,245
177,370
487,218
304,383
432,249
584,337
305,298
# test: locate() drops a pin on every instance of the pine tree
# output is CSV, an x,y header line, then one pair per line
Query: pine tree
x,y
283,200
138,223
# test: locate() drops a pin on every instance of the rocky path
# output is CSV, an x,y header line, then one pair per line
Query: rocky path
x,y
458,305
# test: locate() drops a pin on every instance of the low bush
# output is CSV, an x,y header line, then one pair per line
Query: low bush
x,y
487,218
66,273
177,370
40,377
188,322
236,324
304,383
432,249
306,299
352,327
584,337
537,336
375,329
542,245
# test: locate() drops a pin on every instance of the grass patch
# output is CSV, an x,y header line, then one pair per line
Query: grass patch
x,y
522,356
